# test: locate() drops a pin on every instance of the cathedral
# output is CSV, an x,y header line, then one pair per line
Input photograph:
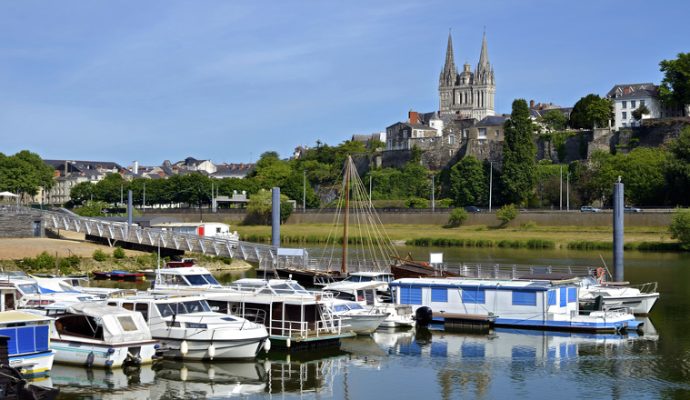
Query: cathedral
x,y
467,94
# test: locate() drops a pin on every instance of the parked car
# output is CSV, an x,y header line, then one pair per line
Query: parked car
x,y
632,209
589,209
473,209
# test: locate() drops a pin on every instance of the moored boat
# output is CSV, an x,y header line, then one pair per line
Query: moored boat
x,y
548,305
188,329
356,318
640,299
98,335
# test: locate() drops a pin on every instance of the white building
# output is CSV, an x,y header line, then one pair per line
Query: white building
x,y
629,97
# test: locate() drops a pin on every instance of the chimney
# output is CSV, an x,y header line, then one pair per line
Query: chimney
x,y
531,104
413,117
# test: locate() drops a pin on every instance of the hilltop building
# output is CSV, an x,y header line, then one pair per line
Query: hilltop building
x,y
467,94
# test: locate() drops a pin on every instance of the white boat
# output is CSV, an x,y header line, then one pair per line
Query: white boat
x,y
187,328
640,299
356,317
98,335
32,295
109,384
369,295
74,285
295,317
514,303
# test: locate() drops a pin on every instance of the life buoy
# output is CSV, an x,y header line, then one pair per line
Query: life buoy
x,y
601,274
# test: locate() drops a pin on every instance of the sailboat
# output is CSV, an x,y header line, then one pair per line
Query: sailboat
x,y
357,242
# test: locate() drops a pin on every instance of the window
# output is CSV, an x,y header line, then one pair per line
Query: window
x,y
127,323
632,103
624,104
641,103
625,115
143,309
439,295
572,295
473,295
562,297
521,298
481,133
410,295
552,297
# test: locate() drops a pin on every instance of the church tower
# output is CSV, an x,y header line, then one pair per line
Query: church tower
x,y
468,94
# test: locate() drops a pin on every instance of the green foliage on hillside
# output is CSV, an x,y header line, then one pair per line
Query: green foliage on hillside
x,y
590,112
519,153
24,173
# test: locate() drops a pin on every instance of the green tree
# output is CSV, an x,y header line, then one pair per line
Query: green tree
x,y
24,173
590,112
91,209
680,227
111,189
675,87
260,208
677,170
507,213
640,112
457,217
554,120
468,184
519,152
82,192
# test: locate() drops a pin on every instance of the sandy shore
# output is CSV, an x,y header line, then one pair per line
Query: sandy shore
x,y
15,249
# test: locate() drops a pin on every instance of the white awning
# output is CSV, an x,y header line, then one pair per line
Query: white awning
x,y
7,194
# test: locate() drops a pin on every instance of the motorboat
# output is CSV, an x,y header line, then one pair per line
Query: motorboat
x,y
71,284
539,304
188,329
32,295
295,317
119,275
356,317
369,295
105,336
640,299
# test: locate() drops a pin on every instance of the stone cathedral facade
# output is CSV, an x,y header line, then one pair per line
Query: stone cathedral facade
x,y
467,94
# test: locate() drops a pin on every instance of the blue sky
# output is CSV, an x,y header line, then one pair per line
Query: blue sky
x,y
228,80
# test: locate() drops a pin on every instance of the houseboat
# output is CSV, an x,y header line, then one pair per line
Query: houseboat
x,y
188,329
550,305
98,335
295,317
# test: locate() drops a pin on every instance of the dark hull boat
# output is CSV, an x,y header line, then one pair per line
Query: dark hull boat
x,y
409,268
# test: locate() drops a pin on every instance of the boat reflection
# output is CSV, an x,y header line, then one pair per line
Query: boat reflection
x,y
119,383
176,379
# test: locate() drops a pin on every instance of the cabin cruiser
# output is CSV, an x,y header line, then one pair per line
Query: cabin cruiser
x,y
368,295
74,284
640,299
549,305
356,317
187,328
28,346
296,318
98,335
32,295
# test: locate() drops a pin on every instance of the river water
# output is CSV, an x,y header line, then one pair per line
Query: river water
x,y
439,365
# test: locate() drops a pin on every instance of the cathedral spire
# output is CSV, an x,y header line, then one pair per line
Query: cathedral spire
x,y
449,71
484,55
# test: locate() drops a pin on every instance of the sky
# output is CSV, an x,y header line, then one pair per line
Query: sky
x,y
228,80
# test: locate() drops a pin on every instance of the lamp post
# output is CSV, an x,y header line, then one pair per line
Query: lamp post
x,y
491,181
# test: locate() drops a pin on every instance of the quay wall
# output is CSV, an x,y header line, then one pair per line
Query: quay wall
x,y
440,217
20,225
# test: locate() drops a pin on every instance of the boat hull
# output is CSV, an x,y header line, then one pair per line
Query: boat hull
x,y
103,355
33,365
363,324
641,304
237,349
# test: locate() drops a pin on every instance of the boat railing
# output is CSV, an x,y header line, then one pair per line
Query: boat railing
x,y
498,271
647,288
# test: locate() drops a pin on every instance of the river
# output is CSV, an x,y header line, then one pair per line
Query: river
x,y
438,365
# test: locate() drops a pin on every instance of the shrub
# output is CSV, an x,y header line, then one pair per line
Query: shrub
x,y
444,203
680,227
528,225
507,213
119,253
417,202
457,217
99,255
42,261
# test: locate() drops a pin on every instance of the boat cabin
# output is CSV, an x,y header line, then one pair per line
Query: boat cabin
x,y
365,293
369,277
185,278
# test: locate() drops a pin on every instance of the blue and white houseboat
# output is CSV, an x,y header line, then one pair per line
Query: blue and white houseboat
x,y
29,337
550,305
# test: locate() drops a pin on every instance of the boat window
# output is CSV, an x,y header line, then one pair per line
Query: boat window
x,y
360,295
29,289
298,288
369,296
127,323
355,306
341,295
218,306
282,288
365,279
165,310
143,309
191,307
170,279
128,306
196,280
228,319
79,325
340,308
211,280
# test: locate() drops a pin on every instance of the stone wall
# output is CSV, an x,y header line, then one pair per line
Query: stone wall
x,y
19,225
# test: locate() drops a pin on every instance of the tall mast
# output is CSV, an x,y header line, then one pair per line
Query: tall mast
x,y
348,166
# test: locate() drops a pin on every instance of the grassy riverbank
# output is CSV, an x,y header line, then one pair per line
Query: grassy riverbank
x,y
530,236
